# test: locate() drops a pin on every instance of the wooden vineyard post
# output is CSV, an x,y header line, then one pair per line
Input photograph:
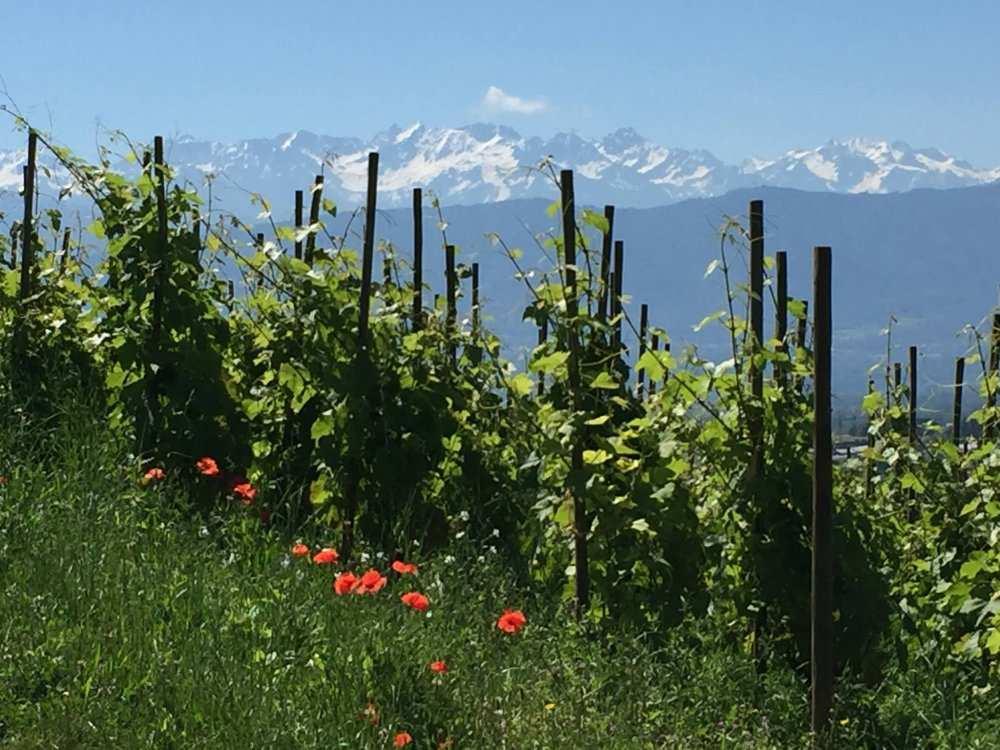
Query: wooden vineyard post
x,y
15,233
314,206
800,332
616,300
993,372
27,257
418,260
605,285
611,305
387,266
543,334
822,499
755,421
897,385
196,234
580,523
258,246
66,245
781,312
912,397
451,283
643,325
368,252
666,372
298,224
800,340
871,444
161,274
476,352
363,354
956,414
756,327
654,346
27,225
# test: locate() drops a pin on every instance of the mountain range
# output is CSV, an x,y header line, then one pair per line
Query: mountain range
x,y
486,163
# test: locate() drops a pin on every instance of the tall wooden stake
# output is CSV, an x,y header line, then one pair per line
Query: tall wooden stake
x,y
643,325
162,273
368,252
67,238
897,382
28,223
15,233
314,205
755,417
956,414
580,522
912,397
800,331
418,260
476,352
756,324
298,224
196,234
363,355
871,444
781,311
543,334
822,491
654,345
19,343
616,297
605,285
451,282
800,340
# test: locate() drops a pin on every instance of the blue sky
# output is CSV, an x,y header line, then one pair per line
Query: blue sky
x,y
737,78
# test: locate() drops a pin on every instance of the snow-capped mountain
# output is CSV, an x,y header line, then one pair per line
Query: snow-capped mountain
x,y
483,163
859,165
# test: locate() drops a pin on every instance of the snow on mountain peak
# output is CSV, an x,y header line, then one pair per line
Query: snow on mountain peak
x,y
405,134
485,162
289,140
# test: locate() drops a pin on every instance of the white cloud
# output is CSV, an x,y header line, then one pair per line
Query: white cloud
x,y
497,100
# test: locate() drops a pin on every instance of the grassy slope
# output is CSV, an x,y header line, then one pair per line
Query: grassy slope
x,y
126,623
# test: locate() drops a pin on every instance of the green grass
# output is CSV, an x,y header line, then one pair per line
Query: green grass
x,y
127,622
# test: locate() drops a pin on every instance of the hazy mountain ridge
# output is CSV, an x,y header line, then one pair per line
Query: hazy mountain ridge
x,y
485,163
897,254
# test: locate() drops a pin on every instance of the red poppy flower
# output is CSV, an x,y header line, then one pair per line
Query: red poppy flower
x,y
403,567
416,600
371,582
245,491
300,550
207,467
402,739
345,583
438,667
511,621
154,475
326,556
